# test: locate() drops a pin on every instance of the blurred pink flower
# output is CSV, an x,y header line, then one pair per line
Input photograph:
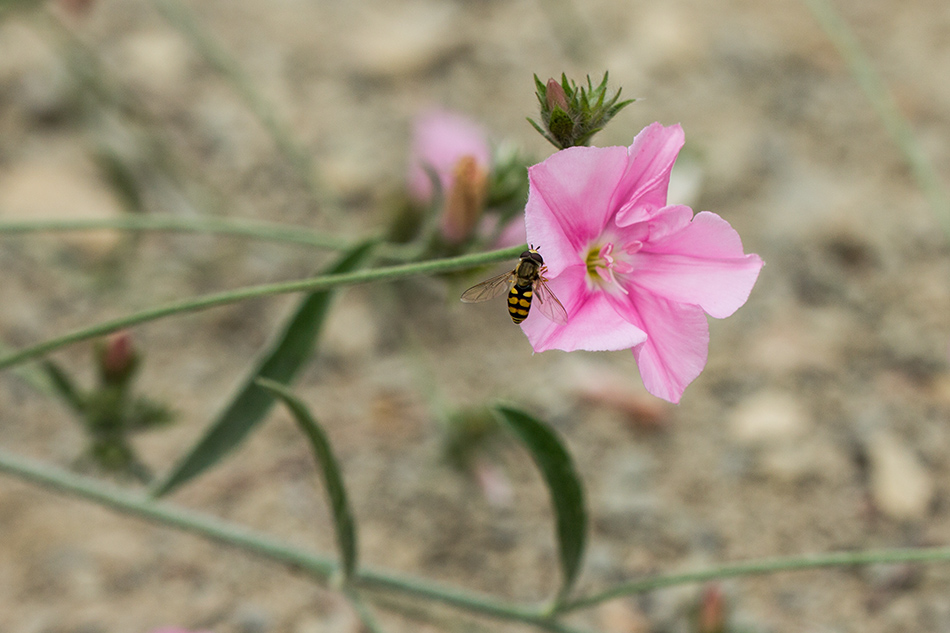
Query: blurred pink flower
x,y
632,271
76,8
454,149
512,234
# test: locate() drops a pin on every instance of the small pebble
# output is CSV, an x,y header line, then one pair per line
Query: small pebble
x,y
769,417
47,190
901,486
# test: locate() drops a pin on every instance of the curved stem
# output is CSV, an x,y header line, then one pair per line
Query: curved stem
x,y
266,231
365,614
387,273
321,567
763,566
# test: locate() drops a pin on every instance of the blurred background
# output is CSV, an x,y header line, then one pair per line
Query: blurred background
x,y
819,424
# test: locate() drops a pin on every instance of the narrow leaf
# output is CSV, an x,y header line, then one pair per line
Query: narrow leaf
x,y
567,493
540,85
145,413
343,521
121,177
281,363
63,386
546,136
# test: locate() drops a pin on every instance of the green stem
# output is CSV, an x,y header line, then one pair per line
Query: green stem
x,y
321,567
186,23
883,103
365,614
324,568
250,229
312,284
89,489
763,566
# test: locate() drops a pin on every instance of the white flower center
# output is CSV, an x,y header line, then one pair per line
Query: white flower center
x,y
603,265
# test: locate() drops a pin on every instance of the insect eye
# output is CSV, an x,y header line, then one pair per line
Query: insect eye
x,y
527,255
535,255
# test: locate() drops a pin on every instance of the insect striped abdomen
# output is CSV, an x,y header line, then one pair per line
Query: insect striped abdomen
x,y
522,283
519,302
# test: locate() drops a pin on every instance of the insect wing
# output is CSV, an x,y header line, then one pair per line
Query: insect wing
x,y
488,289
548,303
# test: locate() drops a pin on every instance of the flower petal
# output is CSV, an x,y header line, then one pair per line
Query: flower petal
x,y
439,139
647,178
702,264
593,323
569,201
674,353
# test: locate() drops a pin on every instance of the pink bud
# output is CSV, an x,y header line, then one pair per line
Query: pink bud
x,y
556,96
465,200
440,140
712,610
117,358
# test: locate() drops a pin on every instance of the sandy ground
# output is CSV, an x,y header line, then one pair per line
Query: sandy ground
x,y
819,423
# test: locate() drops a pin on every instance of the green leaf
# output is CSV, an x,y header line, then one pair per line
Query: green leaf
x,y
567,493
145,413
332,479
63,386
546,136
121,176
280,363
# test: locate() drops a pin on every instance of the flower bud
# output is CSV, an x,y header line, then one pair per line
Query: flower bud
x,y
712,610
555,95
572,114
440,140
117,358
465,200
561,126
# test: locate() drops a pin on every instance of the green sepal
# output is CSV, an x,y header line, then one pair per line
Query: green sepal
x,y
562,126
145,413
589,109
64,387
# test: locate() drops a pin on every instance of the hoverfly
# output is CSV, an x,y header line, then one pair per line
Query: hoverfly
x,y
522,283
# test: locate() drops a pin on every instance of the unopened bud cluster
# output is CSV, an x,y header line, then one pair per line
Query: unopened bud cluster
x,y
571,115
110,412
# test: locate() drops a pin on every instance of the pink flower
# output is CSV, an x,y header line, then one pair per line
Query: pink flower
x,y
512,234
456,151
632,271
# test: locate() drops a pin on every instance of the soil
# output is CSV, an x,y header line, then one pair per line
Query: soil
x,y
819,423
